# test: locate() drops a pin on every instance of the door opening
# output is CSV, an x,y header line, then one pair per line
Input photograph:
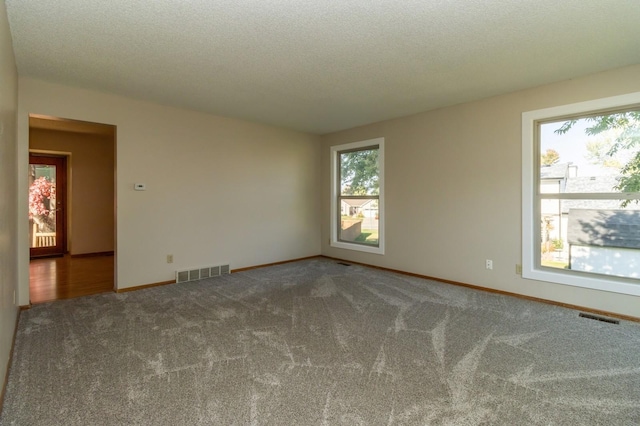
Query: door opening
x,y
72,220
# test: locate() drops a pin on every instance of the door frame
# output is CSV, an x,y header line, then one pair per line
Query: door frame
x,y
60,160
24,127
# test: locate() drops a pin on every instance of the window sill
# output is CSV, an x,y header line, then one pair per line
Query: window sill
x,y
583,280
357,247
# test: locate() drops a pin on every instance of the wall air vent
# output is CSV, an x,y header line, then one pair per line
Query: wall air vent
x,y
215,271
202,273
182,276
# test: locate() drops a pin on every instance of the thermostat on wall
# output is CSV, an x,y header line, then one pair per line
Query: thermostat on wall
x,y
140,186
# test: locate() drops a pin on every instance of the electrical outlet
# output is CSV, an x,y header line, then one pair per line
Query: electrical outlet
x,y
169,258
519,269
489,264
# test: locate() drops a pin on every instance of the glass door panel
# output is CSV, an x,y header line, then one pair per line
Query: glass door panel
x,y
46,205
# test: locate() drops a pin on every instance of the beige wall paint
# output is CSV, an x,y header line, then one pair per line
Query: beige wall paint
x,y
453,190
8,195
91,176
218,189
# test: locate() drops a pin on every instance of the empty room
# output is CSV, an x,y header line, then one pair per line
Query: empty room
x,y
355,213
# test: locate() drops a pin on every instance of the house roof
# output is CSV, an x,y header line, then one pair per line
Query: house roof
x,y
604,183
555,171
359,202
319,66
593,184
604,228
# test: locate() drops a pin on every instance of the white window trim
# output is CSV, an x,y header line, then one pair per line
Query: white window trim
x,y
530,269
334,197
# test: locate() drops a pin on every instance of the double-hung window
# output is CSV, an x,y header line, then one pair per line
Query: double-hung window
x,y
357,202
581,194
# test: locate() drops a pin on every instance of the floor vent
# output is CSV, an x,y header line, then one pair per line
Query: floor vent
x,y
202,273
599,318
344,264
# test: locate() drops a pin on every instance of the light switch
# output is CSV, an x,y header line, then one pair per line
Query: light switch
x,y
140,186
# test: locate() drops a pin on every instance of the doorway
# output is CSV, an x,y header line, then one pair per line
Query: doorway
x,y
47,205
71,208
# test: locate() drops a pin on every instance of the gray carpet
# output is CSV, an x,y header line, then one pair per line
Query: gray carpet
x,y
318,343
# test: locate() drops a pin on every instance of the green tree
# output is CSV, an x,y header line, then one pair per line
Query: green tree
x,y
359,172
598,153
550,157
627,125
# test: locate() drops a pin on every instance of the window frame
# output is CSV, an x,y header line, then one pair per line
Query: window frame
x,y
531,200
336,195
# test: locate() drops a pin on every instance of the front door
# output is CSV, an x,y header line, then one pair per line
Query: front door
x,y
47,202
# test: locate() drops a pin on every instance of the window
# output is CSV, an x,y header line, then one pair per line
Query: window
x,y
581,194
357,196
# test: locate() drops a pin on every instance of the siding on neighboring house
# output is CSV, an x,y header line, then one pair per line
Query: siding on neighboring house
x,y
604,241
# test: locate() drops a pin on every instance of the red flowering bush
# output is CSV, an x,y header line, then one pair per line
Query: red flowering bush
x,y
41,189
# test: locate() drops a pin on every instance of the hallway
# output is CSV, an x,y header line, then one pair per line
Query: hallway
x,y
68,277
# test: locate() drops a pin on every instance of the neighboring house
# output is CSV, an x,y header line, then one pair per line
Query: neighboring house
x,y
593,248
603,241
592,184
553,180
355,207
585,184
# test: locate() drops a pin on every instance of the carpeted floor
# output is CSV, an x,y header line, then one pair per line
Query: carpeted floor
x,y
318,343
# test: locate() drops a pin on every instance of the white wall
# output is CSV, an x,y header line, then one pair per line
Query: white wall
x,y
453,190
218,189
8,272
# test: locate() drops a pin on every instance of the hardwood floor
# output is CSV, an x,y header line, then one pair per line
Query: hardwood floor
x,y
67,277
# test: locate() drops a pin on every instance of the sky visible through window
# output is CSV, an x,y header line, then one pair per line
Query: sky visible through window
x,y
572,147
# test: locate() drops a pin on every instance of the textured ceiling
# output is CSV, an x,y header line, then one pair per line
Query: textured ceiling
x,y
319,66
